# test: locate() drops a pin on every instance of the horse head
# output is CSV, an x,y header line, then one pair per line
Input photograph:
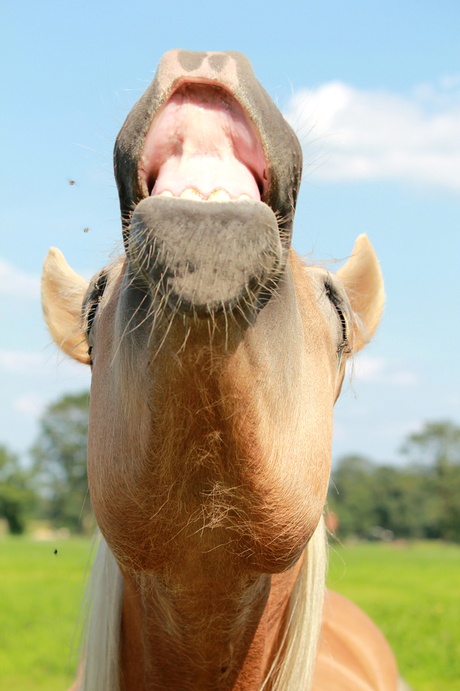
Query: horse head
x,y
217,356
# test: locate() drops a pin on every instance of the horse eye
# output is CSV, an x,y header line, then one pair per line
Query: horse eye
x,y
94,300
90,315
334,298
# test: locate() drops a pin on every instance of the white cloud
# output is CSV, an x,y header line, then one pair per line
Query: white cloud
x,y
366,368
378,371
30,404
18,283
450,81
403,378
377,135
48,365
21,361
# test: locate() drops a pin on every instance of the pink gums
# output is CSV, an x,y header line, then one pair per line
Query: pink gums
x,y
203,139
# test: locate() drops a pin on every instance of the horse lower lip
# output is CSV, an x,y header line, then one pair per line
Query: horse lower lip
x,y
204,257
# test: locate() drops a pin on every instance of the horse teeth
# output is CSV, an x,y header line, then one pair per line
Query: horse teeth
x,y
215,196
190,193
219,195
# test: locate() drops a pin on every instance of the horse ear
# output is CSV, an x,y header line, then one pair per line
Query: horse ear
x,y
63,291
362,279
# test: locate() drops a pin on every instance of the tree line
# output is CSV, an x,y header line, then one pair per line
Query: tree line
x,y
55,486
419,499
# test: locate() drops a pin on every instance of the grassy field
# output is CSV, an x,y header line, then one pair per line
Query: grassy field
x,y
40,594
412,591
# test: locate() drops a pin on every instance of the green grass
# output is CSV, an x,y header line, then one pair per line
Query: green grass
x,y
40,594
412,592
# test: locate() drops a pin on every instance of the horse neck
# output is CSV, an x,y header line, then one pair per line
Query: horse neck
x,y
202,635
114,651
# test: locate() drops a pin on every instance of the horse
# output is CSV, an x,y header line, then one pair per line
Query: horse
x,y
217,355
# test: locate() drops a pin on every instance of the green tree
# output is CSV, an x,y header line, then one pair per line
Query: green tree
x,y
436,446
404,502
16,495
60,462
421,499
366,496
351,495
437,450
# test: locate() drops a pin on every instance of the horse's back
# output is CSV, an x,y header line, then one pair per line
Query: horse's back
x,y
353,654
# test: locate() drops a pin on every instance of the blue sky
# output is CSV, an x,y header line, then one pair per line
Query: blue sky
x,y
373,90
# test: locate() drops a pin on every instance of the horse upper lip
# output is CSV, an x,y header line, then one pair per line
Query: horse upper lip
x,y
202,139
